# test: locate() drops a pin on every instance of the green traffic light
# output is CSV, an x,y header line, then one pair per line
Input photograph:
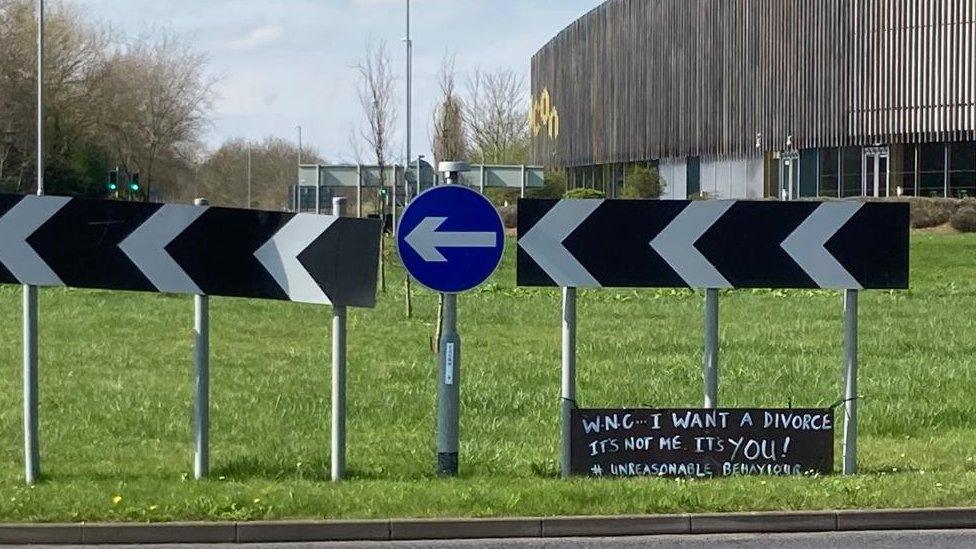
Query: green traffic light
x,y
134,187
113,187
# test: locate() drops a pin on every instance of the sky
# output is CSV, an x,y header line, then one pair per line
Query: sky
x,y
284,63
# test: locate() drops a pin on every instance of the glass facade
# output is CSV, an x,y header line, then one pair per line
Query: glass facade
x,y
851,182
962,170
924,170
830,173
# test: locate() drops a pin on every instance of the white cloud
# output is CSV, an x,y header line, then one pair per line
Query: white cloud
x,y
260,36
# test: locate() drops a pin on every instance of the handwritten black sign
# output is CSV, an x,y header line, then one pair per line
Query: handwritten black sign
x,y
702,443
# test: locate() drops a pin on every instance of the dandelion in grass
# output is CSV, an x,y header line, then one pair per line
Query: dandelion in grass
x,y
117,499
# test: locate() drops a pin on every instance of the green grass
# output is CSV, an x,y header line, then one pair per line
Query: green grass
x,y
117,399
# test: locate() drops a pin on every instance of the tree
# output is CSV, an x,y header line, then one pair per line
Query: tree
x,y
165,106
222,175
643,183
377,100
555,184
496,117
449,139
140,105
449,144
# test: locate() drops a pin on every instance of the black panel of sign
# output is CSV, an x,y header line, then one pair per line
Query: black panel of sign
x,y
702,443
184,249
713,244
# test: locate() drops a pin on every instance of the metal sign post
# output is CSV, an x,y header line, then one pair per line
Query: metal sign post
x,y
338,375
714,245
449,392
850,382
569,376
711,348
450,239
201,416
449,381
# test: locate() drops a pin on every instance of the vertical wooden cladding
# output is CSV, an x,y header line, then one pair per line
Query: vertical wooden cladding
x,y
642,79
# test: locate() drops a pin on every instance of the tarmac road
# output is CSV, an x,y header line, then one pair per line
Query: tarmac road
x,y
934,539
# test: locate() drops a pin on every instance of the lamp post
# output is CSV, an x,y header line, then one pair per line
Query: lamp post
x,y
32,454
409,103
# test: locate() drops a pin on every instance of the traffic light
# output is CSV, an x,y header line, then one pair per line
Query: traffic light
x,y
113,181
134,183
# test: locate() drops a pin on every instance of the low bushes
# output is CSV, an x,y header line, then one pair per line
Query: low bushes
x,y
932,212
964,220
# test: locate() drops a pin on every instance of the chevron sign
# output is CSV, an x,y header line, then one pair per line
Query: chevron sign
x,y
58,241
713,244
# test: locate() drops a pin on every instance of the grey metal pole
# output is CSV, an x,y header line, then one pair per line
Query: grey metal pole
x,y
393,197
850,382
201,412
419,159
448,394
448,388
32,451
409,105
711,348
569,374
522,195
359,191
248,174
338,375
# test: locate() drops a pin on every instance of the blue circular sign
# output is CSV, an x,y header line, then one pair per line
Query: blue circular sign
x,y
451,239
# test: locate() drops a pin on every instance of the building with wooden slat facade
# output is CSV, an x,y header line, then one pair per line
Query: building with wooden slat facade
x,y
764,98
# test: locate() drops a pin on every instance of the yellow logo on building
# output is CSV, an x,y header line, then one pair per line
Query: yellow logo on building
x,y
543,116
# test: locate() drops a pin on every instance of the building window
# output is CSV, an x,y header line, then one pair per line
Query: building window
x,y
808,173
694,176
931,168
903,169
962,170
829,173
851,181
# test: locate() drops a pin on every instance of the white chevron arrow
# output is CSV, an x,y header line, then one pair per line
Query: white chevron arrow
x,y
280,257
425,239
146,248
676,244
544,243
16,226
806,245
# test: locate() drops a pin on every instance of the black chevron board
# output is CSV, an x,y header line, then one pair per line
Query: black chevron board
x,y
721,244
116,245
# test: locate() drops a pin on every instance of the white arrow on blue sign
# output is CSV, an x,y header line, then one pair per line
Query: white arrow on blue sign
x,y
451,239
